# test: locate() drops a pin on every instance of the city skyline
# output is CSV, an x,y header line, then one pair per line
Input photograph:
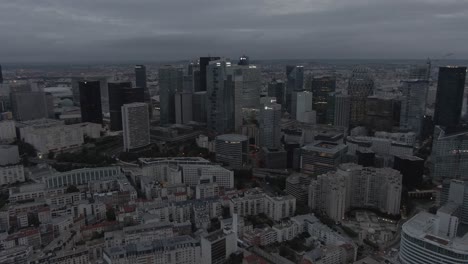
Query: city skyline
x,y
137,30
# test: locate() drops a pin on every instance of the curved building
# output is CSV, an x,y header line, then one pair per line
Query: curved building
x,y
428,238
231,150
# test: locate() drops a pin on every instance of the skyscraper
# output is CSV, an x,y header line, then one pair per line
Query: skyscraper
x,y
204,62
361,85
247,85
183,107
295,83
29,105
342,105
170,82
413,104
270,129
302,103
449,98
135,121
243,60
90,101
382,112
276,89
120,94
140,82
199,104
220,97
321,87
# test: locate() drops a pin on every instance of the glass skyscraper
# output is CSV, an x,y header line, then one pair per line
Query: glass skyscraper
x,y
90,101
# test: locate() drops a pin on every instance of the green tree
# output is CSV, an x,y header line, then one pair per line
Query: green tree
x,y
110,214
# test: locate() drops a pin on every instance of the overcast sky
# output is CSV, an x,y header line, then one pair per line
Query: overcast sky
x,y
130,30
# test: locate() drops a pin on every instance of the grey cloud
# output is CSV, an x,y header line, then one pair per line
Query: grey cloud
x,y
113,30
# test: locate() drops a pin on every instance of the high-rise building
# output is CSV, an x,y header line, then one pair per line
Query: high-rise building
x,y
199,104
244,60
170,82
136,128
340,107
120,94
321,87
382,113
232,149
204,62
183,108
449,154
220,97
295,83
421,72
361,85
321,157
411,168
449,97
302,104
29,105
276,89
413,104
140,76
90,101
247,84
270,129
430,238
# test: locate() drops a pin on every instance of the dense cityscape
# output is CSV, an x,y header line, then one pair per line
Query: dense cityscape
x,y
218,160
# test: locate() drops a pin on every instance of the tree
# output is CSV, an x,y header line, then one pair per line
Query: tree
x,y
51,155
34,220
110,214
72,189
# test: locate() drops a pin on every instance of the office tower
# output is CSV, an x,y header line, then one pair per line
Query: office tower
x,y
76,89
119,94
361,85
216,247
204,62
199,105
232,149
432,238
183,108
1,75
340,107
412,169
382,113
170,82
421,72
302,103
196,80
321,87
413,105
449,97
29,105
277,89
90,101
270,129
141,82
294,83
449,154
136,128
247,85
322,157
275,158
243,60
220,97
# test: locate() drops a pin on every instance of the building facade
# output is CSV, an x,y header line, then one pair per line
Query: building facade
x,y
135,121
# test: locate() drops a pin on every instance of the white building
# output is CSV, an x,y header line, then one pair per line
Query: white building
x,y
136,127
11,174
176,250
9,155
48,135
303,105
353,186
425,239
280,207
7,131
217,246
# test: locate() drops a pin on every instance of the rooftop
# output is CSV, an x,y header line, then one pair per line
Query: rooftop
x,y
232,137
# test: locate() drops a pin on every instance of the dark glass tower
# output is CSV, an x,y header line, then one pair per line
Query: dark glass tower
x,y
295,83
90,101
449,98
321,87
120,94
140,76
204,61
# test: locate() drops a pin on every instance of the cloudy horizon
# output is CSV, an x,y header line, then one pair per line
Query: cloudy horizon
x,y
162,30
